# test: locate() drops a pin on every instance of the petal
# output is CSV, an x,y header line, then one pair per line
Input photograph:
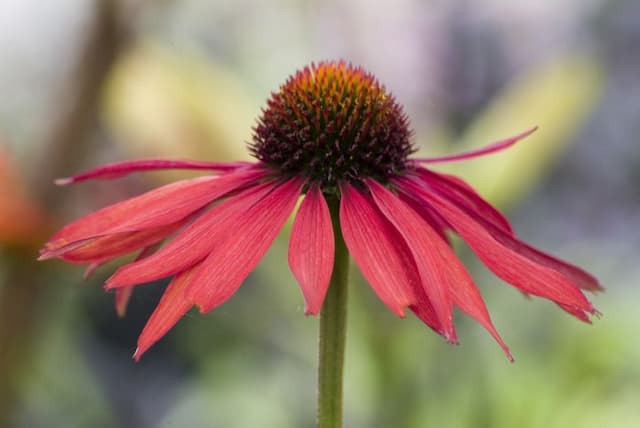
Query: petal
x,y
122,300
491,148
241,243
193,244
120,169
124,294
432,218
426,248
311,249
437,264
499,226
579,277
578,313
505,262
463,195
159,207
111,246
173,305
372,242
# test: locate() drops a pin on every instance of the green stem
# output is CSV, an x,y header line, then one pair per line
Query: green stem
x,y
332,336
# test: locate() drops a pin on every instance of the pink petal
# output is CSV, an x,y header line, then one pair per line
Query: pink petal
x,y
505,262
579,277
124,294
241,243
451,271
173,305
194,243
578,313
491,148
116,245
432,218
120,169
159,207
311,249
428,254
122,300
463,195
499,226
372,242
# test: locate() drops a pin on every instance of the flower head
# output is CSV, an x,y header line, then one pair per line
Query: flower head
x,y
331,132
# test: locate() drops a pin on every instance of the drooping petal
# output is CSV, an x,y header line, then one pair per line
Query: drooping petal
x,y
159,207
311,249
120,169
122,300
491,148
124,294
504,261
499,226
426,248
449,269
372,242
578,313
173,305
192,244
463,195
579,277
241,244
111,246
432,218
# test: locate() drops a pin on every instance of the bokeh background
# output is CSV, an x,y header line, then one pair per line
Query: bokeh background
x,y
87,82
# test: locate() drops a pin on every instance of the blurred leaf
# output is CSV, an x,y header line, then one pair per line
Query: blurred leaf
x,y
557,97
164,104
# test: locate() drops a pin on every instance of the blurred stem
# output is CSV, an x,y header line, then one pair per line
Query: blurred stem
x,y
333,332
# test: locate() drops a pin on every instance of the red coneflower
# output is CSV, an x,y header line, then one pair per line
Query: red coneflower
x,y
333,134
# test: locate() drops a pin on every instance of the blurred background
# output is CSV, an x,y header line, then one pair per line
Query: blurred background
x,y
88,82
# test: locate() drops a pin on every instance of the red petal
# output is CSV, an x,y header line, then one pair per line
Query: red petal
x,y
438,266
428,253
120,169
491,148
578,313
580,278
499,226
124,294
505,262
242,241
159,207
194,243
372,241
463,195
111,246
311,249
432,218
173,305
122,300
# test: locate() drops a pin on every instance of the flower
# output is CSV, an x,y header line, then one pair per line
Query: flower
x,y
335,135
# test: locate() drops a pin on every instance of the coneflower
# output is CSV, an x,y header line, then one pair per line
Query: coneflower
x,y
334,135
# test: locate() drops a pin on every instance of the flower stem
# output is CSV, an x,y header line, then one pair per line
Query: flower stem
x,y
332,337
